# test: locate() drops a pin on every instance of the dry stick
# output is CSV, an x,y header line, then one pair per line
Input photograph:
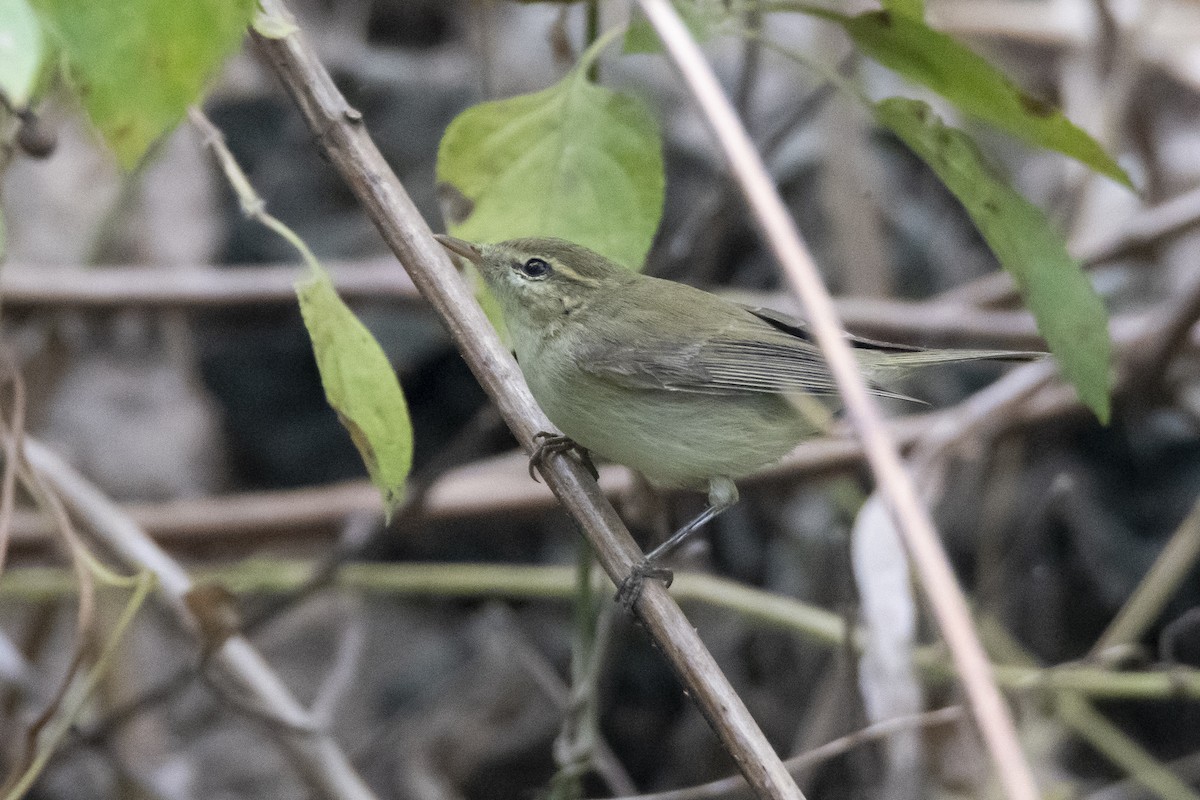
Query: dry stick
x,y
727,787
1164,337
946,598
992,407
1078,714
121,286
540,583
545,675
12,446
314,753
194,286
929,322
1149,356
1186,768
1156,589
345,142
489,486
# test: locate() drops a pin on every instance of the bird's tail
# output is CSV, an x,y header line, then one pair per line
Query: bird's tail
x,y
923,358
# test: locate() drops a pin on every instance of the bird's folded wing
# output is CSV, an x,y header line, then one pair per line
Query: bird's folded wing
x,y
746,355
750,350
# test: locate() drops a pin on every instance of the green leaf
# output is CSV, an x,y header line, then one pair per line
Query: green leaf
x,y
909,8
1070,316
138,64
361,386
910,47
641,38
577,161
22,50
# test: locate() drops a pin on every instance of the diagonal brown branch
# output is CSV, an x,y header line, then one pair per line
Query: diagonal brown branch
x,y
912,519
344,140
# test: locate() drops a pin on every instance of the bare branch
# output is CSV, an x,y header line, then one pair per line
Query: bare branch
x,y
937,578
1164,336
314,753
27,285
349,148
730,787
489,486
1156,588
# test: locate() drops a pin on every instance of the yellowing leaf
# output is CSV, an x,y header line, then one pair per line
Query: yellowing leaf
x,y
577,161
360,385
1070,316
138,64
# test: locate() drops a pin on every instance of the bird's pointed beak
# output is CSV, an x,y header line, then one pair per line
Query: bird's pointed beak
x,y
460,247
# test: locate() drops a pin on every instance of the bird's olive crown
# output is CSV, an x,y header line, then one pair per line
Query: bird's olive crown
x,y
541,280
538,259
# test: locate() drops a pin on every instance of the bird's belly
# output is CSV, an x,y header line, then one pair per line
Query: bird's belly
x,y
675,439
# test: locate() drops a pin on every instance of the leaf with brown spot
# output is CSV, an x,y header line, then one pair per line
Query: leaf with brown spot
x,y
1070,315
904,43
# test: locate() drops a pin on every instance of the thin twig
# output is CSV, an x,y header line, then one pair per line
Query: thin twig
x,y
496,485
575,745
199,286
314,753
1187,768
1164,338
545,675
913,521
12,447
344,140
115,286
86,666
1155,590
992,407
732,786
1077,713
508,581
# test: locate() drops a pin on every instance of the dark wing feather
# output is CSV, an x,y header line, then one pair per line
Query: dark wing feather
x,y
798,328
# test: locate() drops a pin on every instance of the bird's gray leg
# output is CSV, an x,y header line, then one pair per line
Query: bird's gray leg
x,y
722,494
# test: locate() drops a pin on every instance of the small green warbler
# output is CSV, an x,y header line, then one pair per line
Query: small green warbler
x,y
688,388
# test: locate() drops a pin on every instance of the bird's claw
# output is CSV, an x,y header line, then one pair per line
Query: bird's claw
x,y
553,444
631,588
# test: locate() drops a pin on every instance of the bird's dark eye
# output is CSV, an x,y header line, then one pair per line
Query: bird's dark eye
x,y
535,268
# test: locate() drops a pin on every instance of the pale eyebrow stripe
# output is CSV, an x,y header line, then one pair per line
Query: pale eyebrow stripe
x,y
575,276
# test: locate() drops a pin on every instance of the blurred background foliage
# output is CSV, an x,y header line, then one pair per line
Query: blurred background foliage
x,y
207,418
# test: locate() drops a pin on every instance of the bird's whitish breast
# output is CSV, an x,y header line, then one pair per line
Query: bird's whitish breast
x,y
675,439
